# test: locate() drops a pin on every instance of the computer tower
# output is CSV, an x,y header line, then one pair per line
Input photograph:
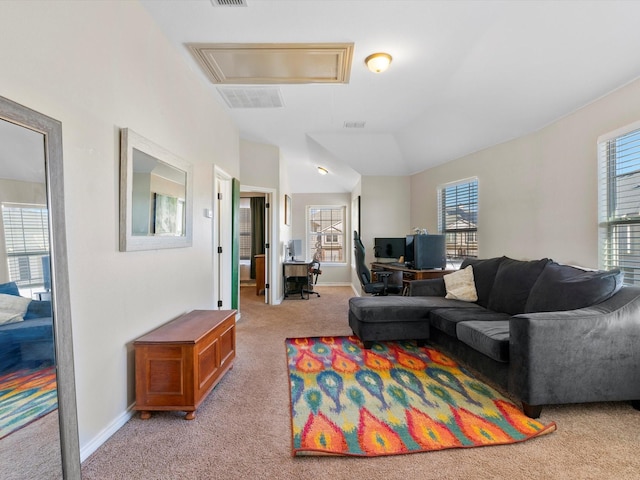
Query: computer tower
x,y
423,252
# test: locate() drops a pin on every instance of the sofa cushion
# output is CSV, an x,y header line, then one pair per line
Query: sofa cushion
x,y
10,288
460,285
12,308
446,319
513,283
406,309
490,338
36,330
484,274
38,309
561,287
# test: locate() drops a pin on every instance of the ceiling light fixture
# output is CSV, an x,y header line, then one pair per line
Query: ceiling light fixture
x,y
378,62
322,171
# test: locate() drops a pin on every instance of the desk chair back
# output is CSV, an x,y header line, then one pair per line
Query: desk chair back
x,y
364,275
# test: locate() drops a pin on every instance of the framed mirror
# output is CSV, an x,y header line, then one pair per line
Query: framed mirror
x,y
155,196
37,340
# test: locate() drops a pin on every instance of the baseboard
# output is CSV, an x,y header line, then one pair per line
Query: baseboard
x,y
104,435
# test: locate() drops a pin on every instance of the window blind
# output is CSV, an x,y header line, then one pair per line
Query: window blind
x,y
458,218
26,233
619,203
245,232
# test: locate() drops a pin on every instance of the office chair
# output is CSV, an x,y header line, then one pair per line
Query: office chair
x,y
373,288
314,271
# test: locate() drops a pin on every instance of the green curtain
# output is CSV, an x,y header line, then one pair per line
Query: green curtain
x,y
257,230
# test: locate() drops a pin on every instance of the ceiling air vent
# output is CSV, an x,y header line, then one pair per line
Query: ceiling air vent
x,y
229,3
354,124
252,97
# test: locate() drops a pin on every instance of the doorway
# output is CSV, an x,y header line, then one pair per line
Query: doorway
x,y
255,239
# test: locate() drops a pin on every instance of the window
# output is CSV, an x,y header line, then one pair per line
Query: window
x,y
619,163
458,218
26,233
325,233
245,229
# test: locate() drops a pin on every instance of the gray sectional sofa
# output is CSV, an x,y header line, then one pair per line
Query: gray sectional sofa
x,y
544,332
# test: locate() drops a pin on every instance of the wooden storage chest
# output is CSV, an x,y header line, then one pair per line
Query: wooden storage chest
x,y
179,363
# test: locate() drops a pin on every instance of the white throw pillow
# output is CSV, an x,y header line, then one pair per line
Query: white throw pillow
x,y
12,308
460,285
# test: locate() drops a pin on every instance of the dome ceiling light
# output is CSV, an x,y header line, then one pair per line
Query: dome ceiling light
x,y
378,62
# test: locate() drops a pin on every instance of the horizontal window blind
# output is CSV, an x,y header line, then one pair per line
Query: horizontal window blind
x,y
619,178
458,218
245,233
26,233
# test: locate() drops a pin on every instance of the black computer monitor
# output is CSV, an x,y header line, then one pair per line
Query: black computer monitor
x,y
294,248
424,252
388,247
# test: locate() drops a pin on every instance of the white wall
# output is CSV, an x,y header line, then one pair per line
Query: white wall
x,y
537,194
259,164
98,67
384,210
260,170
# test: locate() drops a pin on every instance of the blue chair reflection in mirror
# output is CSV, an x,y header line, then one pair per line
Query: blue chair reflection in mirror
x,y
364,275
26,331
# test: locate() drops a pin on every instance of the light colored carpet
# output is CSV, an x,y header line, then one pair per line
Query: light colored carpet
x,y
33,452
242,430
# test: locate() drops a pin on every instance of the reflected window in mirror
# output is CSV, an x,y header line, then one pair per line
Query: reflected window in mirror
x,y
159,193
26,236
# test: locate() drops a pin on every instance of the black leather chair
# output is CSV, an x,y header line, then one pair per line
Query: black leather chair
x,y
373,288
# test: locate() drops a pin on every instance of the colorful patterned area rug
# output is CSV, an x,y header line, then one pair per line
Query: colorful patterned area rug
x,y
25,396
395,398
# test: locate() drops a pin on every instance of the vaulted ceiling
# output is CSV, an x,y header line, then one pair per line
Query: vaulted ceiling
x,y
465,75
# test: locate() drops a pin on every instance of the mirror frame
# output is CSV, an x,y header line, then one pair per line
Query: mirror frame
x,y
130,140
51,129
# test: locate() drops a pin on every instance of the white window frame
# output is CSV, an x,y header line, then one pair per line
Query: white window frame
x,y
468,250
33,256
619,215
310,248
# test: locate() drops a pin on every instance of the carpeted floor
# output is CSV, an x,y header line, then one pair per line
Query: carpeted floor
x,y
25,396
242,430
31,448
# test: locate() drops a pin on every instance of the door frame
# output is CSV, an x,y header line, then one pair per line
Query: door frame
x,y
270,237
222,237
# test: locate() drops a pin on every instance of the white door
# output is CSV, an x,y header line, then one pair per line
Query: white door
x,y
222,240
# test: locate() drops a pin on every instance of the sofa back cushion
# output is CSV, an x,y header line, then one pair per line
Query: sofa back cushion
x,y
484,274
10,288
513,283
38,309
561,287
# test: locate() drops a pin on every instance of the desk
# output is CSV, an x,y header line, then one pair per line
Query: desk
x,y
296,278
259,261
407,274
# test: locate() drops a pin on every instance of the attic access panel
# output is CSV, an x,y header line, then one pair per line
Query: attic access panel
x,y
272,63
